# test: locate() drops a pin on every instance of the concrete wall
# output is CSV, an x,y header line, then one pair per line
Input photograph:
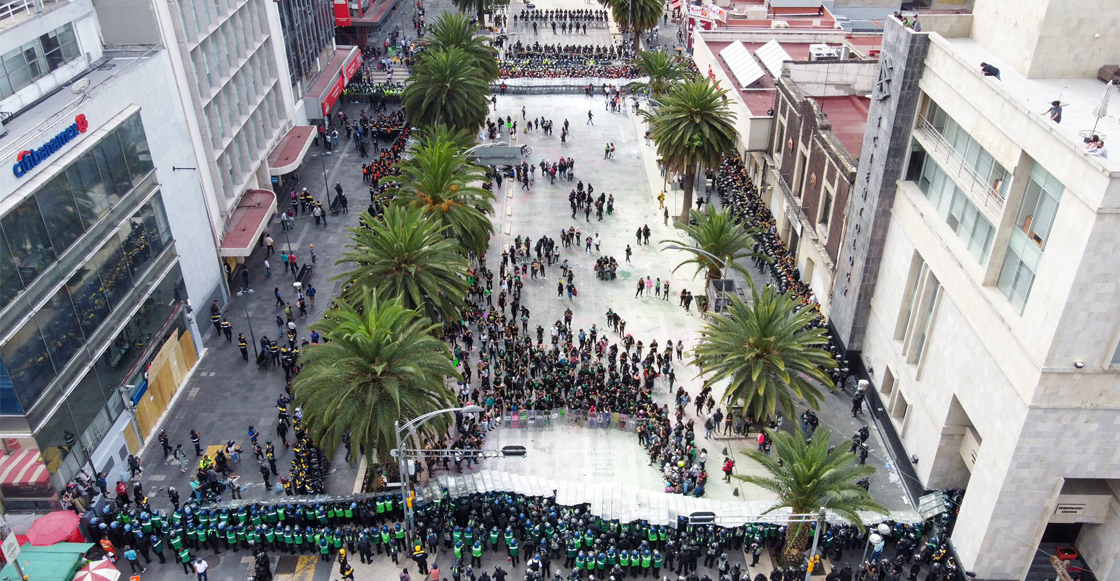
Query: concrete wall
x,y
886,146
947,25
1050,38
86,30
828,79
128,21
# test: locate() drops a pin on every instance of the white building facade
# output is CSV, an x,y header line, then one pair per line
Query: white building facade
x,y
981,293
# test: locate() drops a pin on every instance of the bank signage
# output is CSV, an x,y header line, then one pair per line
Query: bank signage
x,y
29,159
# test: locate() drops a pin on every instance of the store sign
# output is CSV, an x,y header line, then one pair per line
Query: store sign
x,y
342,13
29,159
709,12
352,66
333,94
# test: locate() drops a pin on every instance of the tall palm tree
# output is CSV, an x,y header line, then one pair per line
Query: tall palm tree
x,y
453,30
405,255
478,7
441,180
446,88
768,352
636,16
719,243
382,364
692,129
663,69
809,477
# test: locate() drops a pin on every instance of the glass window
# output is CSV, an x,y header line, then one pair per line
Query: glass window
x,y
113,268
87,405
60,213
110,163
9,403
88,296
10,283
28,240
58,443
135,145
28,362
1040,205
94,199
957,209
60,328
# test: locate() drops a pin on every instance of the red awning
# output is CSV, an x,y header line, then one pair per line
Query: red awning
x,y
333,78
289,153
248,222
23,468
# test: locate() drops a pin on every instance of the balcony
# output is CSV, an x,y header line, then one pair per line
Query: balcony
x,y
987,195
16,12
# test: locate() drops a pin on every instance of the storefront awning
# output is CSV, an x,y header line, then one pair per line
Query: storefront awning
x,y
23,468
248,223
332,80
288,154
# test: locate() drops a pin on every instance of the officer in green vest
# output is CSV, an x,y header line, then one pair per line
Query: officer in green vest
x,y
398,537
157,547
458,548
253,536
324,547
289,544
281,513
581,562
321,515
185,557
297,539
476,554
612,557
647,560
242,536
512,549
272,515
657,560
380,509
348,512
269,535
573,548
601,561
384,539
231,538
192,538
494,536
651,535
336,540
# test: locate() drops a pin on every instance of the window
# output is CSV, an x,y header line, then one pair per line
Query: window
x,y
985,168
826,206
962,216
1028,240
30,62
918,305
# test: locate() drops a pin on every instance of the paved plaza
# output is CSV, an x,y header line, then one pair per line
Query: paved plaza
x,y
226,395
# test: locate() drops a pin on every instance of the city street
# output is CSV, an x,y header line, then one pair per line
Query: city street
x,y
226,395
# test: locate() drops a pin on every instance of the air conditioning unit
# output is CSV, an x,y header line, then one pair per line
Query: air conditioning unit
x,y
779,24
823,52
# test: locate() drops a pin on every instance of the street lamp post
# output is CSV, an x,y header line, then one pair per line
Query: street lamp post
x,y
326,186
404,432
881,532
252,337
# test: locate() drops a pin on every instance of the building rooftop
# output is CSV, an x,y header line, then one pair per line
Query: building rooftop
x,y
1079,98
848,116
759,97
29,126
15,12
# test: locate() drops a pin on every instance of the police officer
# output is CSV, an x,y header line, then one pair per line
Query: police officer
x,y
227,330
241,344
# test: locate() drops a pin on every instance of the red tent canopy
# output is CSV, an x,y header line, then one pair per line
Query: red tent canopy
x,y
56,527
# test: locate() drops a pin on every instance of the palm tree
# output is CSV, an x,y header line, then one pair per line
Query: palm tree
x,y
382,364
453,30
809,477
405,255
441,180
663,69
636,16
768,352
478,7
446,88
719,243
692,129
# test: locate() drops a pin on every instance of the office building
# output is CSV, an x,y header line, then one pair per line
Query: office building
x,y
104,245
977,280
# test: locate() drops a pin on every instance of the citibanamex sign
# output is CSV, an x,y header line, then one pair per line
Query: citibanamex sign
x,y
28,159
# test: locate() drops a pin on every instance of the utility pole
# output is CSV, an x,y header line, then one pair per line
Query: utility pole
x,y
816,539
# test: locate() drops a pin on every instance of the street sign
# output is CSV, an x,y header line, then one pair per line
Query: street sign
x,y
10,548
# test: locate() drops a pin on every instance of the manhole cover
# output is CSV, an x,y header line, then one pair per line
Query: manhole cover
x,y
286,566
213,560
